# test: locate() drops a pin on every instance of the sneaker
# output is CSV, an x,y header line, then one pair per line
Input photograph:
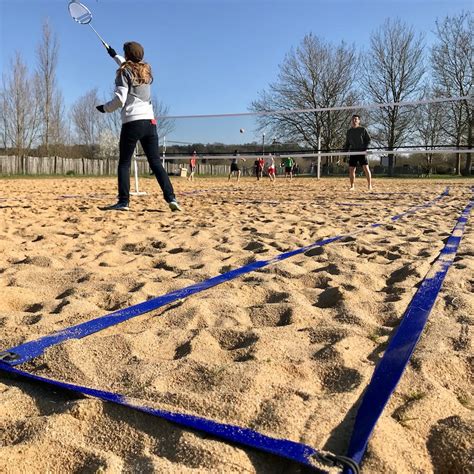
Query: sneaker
x,y
120,206
174,206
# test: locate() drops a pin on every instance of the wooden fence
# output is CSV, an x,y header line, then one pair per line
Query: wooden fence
x,y
55,165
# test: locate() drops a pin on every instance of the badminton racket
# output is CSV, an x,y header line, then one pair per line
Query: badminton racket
x,y
82,15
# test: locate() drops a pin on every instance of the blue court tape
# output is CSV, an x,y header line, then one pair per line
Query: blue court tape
x,y
27,351
287,449
390,368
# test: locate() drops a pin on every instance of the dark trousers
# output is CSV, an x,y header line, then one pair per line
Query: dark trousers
x,y
145,132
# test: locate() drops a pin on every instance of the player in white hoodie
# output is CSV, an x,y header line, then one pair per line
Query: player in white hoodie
x,y
133,95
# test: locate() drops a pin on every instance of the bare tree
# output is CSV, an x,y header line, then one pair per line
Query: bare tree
x,y
452,64
315,75
3,122
164,126
20,107
58,130
47,54
86,120
429,125
392,72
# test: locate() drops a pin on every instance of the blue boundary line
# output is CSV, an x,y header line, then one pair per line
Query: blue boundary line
x,y
29,350
392,365
245,436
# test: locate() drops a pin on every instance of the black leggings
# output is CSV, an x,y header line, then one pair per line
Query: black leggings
x,y
145,132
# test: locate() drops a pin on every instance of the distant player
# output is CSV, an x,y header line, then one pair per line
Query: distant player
x,y
192,166
234,166
271,168
288,164
358,139
259,166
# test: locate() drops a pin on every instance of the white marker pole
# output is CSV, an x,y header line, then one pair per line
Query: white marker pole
x,y
135,169
164,151
319,157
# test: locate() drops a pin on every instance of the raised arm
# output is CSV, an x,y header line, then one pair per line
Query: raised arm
x,y
120,94
366,138
347,143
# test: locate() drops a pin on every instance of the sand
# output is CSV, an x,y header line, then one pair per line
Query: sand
x,y
286,350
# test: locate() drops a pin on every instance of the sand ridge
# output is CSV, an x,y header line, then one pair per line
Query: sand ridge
x,y
286,350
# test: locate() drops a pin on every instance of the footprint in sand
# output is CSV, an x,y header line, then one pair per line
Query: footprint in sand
x,y
332,269
256,247
183,350
112,301
65,294
315,252
314,281
325,335
271,315
176,250
162,265
394,293
402,274
231,340
83,278
39,261
277,297
140,248
136,287
327,354
60,307
225,269
224,249
424,253
31,319
340,379
450,444
33,308
239,344
329,298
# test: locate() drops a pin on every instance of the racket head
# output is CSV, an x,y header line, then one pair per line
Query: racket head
x,y
79,13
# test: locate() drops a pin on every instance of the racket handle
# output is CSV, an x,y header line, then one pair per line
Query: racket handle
x,y
106,46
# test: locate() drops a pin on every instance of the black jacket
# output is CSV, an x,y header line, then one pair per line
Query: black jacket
x,y
357,139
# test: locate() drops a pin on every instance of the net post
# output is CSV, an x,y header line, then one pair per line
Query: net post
x,y
164,152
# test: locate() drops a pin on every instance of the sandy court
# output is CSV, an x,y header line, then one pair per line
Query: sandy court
x,y
286,350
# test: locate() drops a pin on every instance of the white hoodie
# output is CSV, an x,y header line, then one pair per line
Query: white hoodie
x,y
134,100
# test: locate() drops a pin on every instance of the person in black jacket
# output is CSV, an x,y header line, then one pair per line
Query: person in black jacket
x,y
358,139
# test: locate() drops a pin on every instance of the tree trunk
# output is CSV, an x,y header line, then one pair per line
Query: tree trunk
x,y
429,164
391,162
467,168
458,164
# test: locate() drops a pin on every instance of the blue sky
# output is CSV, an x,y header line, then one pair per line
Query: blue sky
x,y
208,56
